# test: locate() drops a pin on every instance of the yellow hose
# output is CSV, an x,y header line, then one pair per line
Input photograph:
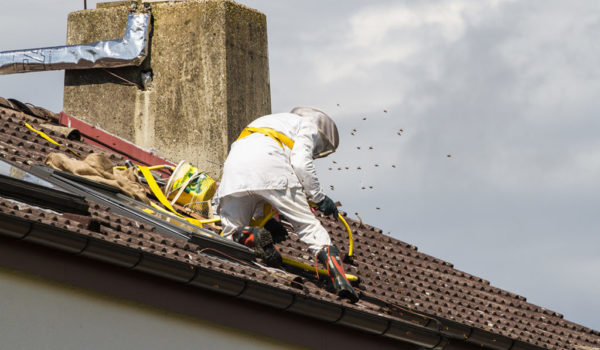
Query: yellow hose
x,y
306,267
210,221
350,238
154,167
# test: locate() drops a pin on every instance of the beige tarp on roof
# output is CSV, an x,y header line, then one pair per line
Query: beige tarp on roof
x,y
98,167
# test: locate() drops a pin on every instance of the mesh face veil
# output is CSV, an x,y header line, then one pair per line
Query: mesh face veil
x,y
328,140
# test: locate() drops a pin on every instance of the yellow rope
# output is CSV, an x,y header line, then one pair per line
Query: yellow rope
x,y
161,197
49,139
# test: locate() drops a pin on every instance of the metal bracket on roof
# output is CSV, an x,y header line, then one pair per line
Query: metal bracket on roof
x,y
131,50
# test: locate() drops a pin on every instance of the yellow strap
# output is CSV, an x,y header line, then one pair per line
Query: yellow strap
x,y
280,138
49,139
161,197
192,221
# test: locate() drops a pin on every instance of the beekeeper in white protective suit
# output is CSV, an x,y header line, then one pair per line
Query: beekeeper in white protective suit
x,y
272,162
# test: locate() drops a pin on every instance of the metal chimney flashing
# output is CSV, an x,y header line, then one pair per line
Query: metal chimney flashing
x,y
130,50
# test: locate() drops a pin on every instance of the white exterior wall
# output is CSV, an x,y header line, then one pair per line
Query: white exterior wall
x,y
36,313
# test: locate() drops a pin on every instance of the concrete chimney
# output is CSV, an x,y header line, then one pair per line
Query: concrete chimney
x,y
206,77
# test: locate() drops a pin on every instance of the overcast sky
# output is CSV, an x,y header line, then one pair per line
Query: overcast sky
x,y
481,115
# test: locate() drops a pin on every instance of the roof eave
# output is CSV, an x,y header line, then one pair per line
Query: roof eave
x,y
15,228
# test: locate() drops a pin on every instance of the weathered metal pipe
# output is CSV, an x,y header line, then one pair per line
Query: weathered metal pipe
x,y
131,50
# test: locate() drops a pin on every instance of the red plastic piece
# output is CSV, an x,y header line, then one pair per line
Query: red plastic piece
x,y
98,137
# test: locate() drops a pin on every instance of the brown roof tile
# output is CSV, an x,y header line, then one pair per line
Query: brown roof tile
x,y
396,279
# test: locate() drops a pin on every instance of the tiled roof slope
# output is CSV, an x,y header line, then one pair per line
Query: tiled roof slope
x,y
396,280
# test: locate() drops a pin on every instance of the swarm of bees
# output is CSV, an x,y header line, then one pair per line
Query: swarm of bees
x,y
354,132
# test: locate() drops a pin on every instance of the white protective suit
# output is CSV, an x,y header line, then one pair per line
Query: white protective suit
x,y
258,170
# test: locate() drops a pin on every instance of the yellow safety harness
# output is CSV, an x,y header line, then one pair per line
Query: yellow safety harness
x,y
280,138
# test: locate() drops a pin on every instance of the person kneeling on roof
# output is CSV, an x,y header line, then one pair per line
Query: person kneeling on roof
x,y
272,162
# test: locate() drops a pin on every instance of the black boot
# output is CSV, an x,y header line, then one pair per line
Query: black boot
x,y
330,257
261,241
278,231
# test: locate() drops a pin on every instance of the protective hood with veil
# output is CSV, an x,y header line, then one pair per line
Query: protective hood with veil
x,y
259,162
328,139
